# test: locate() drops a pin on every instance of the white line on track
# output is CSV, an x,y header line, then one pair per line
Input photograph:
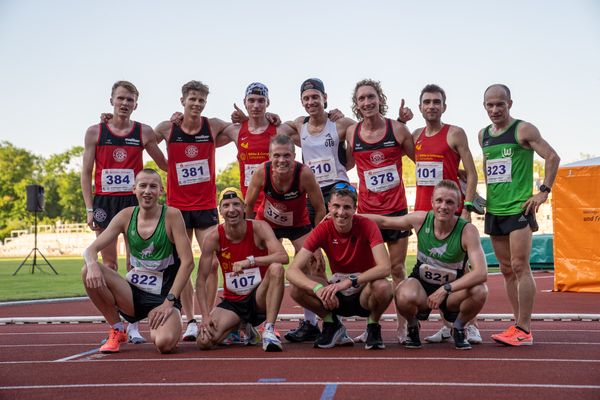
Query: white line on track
x,y
278,359
379,384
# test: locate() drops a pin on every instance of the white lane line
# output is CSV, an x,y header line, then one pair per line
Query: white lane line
x,y
82,354
316,383
277,359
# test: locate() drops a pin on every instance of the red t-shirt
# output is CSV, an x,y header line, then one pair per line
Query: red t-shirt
x,y
191,176
234,288
253,150
350,252
432,154
379,167
118,160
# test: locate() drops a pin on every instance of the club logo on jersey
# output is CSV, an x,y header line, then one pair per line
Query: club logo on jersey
x,y
244,145
147,252
191,151
291,195
329,142
418,146
100,215
377,157
438,251
242,156
225,253
281,207
507,152
120,154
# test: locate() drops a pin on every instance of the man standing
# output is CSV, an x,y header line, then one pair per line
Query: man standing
x,y
161,260
377,145
508,145
114,151
360,265
251,261
191,183
439,279
439,149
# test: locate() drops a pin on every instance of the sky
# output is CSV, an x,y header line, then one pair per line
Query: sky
x,y
60,59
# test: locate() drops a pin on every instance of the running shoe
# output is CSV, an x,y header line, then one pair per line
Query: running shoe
x,y
331,334
133,334
305,332
374,340
362,338
191,332
460,339
441,336
345,340
115,338
473,334
508,332
249,336
270,342
262,328
232,338
413,341
516,337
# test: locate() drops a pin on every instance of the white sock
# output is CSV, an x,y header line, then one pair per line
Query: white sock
x,y
310,316
119,326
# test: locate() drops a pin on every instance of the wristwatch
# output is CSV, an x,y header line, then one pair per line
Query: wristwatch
x,y
251,260
354,279
448,288
544,188
171,297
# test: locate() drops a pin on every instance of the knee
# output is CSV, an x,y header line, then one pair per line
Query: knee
x,y
166,344
507,270
479,293
520,267
276,272
382,289
405,297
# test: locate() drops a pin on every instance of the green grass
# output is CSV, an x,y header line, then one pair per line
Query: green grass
x,y
45,284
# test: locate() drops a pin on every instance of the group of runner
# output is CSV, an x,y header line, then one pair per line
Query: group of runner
x,y
313,204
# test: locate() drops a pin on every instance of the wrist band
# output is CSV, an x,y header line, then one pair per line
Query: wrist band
x,y
317,287
89,210
468,203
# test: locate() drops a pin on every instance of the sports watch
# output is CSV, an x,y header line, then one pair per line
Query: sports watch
x,y
171,297
448,288
544,188
354,280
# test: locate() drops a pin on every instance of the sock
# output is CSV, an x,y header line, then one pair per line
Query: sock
x,y
119,326
370,320
192,321
521,329
328,318
310,317
458,324
269,326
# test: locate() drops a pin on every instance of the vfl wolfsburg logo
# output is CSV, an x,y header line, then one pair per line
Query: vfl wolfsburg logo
x,y
507,152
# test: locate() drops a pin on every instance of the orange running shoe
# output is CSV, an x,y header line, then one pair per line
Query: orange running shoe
x,y
115,338
514,337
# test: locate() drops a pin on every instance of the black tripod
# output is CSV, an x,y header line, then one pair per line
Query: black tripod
x,y
35,250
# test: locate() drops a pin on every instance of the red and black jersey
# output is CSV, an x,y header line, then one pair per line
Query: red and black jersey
x,y
284,209
118,160
191,176
379,167
230,252
431,154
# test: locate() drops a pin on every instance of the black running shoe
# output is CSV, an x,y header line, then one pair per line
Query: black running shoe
x,y
331,334
374,340
305,332
412,338
460,339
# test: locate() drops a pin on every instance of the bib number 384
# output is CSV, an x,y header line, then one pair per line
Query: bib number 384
x,y
117,180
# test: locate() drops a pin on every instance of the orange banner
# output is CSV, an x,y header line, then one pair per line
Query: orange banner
x,y
576,218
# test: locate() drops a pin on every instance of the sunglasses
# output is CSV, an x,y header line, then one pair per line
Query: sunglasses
x,y
230,195
344,186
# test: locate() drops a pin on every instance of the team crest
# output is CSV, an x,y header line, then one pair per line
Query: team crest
x,y
191,151
100,215
244,145
242,156
377,157
120,154
507,152
280,207
147,252
418,146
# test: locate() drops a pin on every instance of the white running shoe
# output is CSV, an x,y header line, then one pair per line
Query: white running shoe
x,y
133,334
441,336
362,338
473,334
270,342
191,332
345,340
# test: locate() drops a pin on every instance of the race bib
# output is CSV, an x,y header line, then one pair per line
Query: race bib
x,y
191,172
117,180
429,173
499,170
436,275
148,281
323,168
243,283
248,172
278,217
382,179
338,277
